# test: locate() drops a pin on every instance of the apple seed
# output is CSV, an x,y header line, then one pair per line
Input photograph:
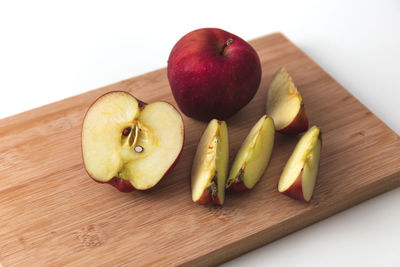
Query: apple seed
x,y
126,131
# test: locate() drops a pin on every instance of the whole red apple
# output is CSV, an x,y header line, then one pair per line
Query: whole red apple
x,y
213,73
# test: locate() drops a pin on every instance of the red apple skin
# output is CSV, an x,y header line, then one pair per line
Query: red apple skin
x,y
237,187
299,124
206,198
295,191
210,79
123,185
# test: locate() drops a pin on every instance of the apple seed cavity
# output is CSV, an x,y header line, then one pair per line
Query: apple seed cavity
x,y
237,179
213,187
130,136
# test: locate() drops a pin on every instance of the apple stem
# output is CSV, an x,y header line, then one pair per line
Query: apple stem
x,y
227,43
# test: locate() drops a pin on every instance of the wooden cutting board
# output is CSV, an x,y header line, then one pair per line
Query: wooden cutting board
x,y
52,213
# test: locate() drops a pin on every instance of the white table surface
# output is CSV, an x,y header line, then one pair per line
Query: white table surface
x,y
50,50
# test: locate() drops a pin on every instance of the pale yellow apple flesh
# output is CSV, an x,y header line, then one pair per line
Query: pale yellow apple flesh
x,y
300,173
253,156
209,169
121,139
285,104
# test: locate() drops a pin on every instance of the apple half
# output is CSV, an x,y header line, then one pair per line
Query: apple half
x,y
210,165
130,144
300,173
253,156
285,105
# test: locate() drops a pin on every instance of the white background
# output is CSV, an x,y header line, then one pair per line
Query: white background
x,y
50,50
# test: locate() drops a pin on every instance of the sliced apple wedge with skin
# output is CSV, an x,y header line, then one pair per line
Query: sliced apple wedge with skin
x,y
130,144
210,165
285,105
253,156
300,173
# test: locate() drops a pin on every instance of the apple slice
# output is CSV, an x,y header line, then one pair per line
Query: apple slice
x,y
285,105
253,156
210,165
129,144
300,173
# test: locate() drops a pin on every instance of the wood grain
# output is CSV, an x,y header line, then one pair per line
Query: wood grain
x,y
53,214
